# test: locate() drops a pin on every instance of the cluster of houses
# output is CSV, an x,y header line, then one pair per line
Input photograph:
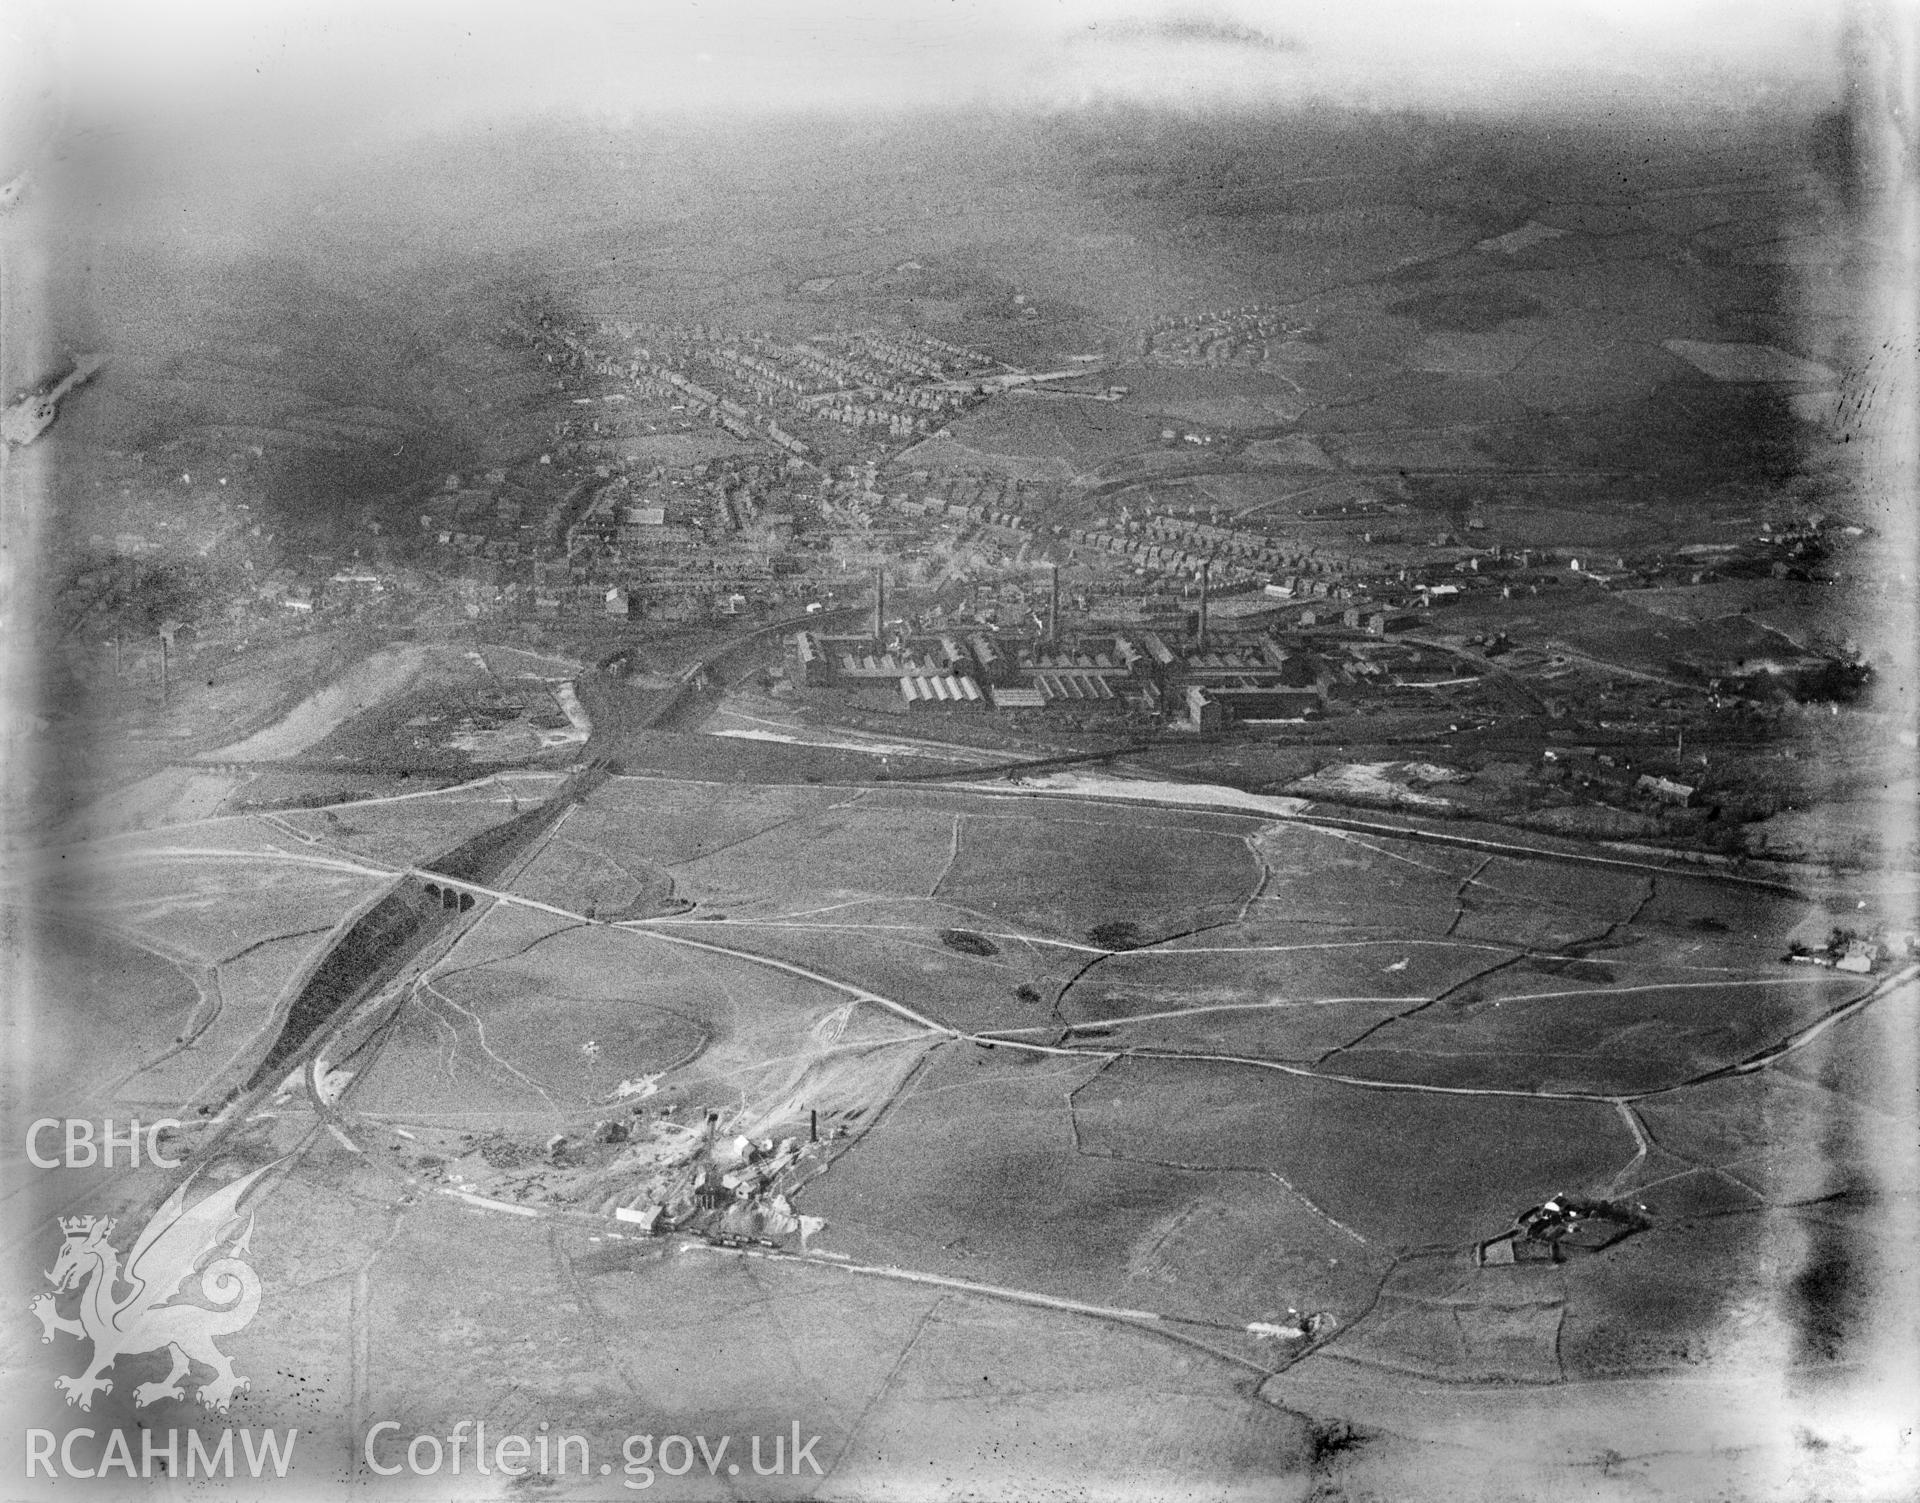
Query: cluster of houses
x,y
978,539
1225,336
899,384
1588,767
1861,954
680,541
1163,545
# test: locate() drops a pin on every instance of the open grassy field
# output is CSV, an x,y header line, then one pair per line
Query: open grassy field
x,y
610,1336
1698,1299
1298,1034
823,857
1783,1139
530,1016
1010,867
119,1002
171,796
1441,1320
1227,968
978,1172
1439,1169
1638,1035
250,987
1331,880
1058,437
1422,997
966,969
673,821
227,904
400,830
1221,399
1560,918
503,1043
586,877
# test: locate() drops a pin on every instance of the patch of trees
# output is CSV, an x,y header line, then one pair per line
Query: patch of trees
x,y
967,942
1116,934
118,595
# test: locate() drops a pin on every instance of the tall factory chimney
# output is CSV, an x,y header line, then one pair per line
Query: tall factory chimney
x,y
879,606
1053,608
1206,576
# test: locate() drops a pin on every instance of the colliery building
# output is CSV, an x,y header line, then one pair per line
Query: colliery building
x,y
1213,708
1073,688
1235,678
940,691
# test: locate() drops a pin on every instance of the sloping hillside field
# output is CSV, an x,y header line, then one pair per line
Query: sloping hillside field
x,y
947,1061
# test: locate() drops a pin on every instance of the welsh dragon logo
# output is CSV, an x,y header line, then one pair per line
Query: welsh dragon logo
x,y
126,1311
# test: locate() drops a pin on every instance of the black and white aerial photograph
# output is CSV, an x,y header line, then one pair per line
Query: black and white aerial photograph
x,y
901,751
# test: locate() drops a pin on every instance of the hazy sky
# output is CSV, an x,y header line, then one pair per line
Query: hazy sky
x,y
352,69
